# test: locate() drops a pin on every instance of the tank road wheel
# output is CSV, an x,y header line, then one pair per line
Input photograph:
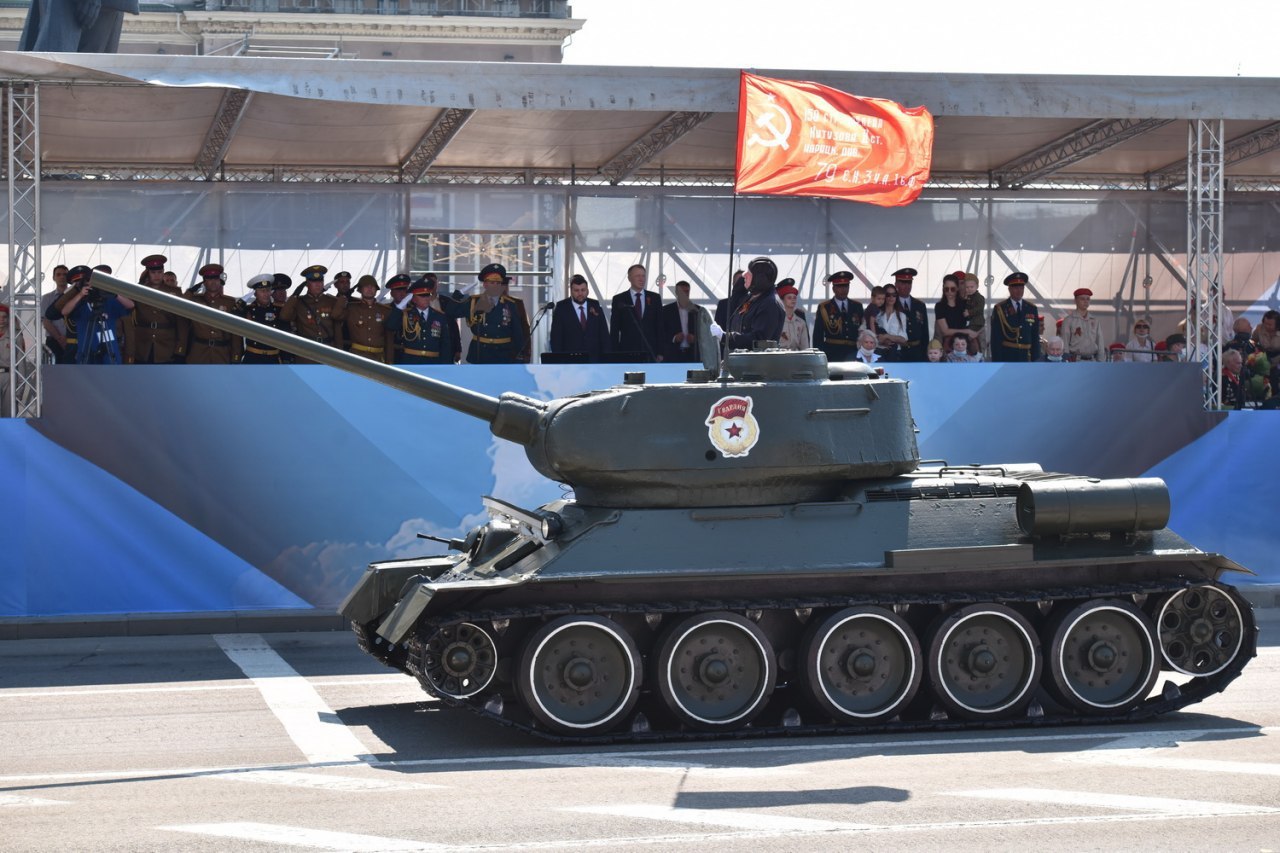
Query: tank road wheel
x,y
862,664
1102,657
715,671
459,660
1201,630
984,662
580,674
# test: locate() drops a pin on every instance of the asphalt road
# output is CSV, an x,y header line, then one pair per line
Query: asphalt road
x,y
298,741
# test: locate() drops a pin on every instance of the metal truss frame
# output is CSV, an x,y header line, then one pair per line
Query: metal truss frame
x,y
433,142
641,151
25,335
1205,190
1078,145
1261,141
221,131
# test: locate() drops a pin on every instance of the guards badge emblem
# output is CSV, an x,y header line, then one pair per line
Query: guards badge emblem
x,y
732,427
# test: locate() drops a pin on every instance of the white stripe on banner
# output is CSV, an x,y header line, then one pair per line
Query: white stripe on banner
x,y
309,722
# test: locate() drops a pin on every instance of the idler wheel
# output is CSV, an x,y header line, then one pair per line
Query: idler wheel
x,y
984,662
1102,656
715,671
460,660
861,664
1201,629
579,674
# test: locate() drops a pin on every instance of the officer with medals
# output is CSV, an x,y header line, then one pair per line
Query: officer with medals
x,y
261,309
835,331
311,313
423,328
280,289
919,332
1015,324
153,336
210,345
364,319
497,334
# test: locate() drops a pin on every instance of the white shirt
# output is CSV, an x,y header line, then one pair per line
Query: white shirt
x,y
892,324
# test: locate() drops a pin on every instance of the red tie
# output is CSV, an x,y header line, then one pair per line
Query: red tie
x,y
582,317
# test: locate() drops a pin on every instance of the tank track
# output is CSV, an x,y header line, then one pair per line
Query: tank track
x,y
790,722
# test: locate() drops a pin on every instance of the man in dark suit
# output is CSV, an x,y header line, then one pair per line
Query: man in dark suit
x,y
578,323
919,331
635,321
680,319
1015,324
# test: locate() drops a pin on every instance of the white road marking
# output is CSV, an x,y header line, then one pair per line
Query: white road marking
x,y
7,800
1136,750
298,836
310,723
295,779
640,762
1157,805
750,821
369,681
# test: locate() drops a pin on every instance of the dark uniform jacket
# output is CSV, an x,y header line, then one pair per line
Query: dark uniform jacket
x,y
671,326
497,333
208,345
153,336
1015,335
919,332
256,352
568,334
364,326
643,334
760,318
835,332
412,338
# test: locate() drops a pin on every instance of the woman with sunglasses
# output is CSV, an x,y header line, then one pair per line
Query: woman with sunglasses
x,y
949,314
891,326
1141,347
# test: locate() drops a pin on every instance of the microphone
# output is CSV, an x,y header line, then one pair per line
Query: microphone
x,y
548,306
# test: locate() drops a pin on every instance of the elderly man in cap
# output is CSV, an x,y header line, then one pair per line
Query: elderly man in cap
x,y
211,345
311,313
1082,332
795,328
154,336
917,317
839,319
497,332
261,309
363,320
760,317
578,324
422,328
635,318
1015,324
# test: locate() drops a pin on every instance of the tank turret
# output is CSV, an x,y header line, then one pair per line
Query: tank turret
x,y
759,550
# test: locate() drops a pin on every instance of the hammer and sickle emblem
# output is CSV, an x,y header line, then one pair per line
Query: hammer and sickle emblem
x,y
779,136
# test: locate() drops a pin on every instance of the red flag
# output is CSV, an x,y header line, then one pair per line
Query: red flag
x,y
799,138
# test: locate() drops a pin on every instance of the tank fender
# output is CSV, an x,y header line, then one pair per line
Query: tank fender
x,y
1079,505
382,584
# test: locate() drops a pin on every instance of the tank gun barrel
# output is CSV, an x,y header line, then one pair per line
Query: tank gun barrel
x,y
512,417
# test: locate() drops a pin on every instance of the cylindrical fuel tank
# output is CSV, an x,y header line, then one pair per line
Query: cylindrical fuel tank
x,y
1059,507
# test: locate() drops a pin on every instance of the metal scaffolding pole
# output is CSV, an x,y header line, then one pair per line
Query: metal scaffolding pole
x,y
25,335
1204,250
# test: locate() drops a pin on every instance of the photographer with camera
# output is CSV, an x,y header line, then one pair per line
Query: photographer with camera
x,y
95,314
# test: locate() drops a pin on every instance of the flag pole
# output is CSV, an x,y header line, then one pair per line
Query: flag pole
x,y
728,302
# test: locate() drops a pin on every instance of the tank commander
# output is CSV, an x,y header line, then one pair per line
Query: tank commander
x,y
497,333
154,336
1015,324
364,320
311,313
210,345
760,318
835,329
261,309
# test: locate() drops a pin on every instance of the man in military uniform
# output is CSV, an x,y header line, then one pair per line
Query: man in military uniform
x,y
261,309
312,313
423,328
363,320
342,284
153,336
919,332
210,345
497,334
1082,332
280,289
1015,324
835,331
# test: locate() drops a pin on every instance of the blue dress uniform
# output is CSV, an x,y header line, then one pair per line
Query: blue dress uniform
x,y
497,333
1015,325
422,336
835,332
256,352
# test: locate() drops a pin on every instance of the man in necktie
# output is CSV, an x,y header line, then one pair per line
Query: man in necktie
x,y
635,323
835,329
919,332
578,326
1015,324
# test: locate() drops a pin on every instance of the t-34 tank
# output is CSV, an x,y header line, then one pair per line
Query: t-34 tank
x,y
764,552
